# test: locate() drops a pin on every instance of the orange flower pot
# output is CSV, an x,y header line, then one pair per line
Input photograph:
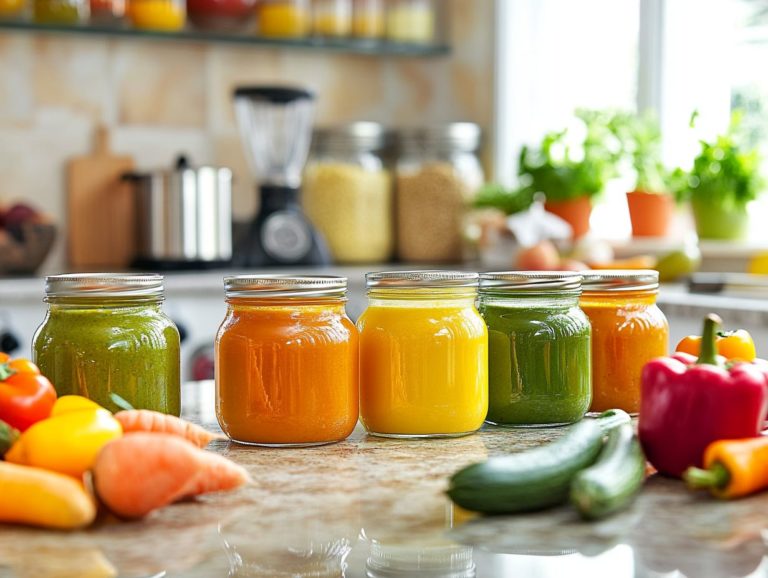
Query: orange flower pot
x,y
575,212
651,213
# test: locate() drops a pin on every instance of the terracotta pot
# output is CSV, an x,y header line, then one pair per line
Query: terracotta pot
x,y
720,222
651,213
575,212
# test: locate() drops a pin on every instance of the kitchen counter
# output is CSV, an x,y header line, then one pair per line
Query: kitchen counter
x,y
377,505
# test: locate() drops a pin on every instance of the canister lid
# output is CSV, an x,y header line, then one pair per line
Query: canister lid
x,y
285,286
419,279
365,135
463,136
530,281
104,285
621,280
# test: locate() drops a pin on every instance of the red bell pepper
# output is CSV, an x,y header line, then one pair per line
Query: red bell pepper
x,y
26,397
688,403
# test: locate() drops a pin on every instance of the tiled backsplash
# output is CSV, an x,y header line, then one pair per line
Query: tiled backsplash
x,y
161,98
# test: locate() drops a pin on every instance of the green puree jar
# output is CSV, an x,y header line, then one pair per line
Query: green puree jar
x,y
106,333
539,348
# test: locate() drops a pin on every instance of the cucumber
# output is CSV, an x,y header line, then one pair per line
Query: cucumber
x,y
533,479
614,480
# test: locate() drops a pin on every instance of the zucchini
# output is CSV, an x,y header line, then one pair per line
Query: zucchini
x,y
614,480
533,479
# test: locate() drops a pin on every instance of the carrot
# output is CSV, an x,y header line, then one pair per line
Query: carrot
x,y
144,471
135,420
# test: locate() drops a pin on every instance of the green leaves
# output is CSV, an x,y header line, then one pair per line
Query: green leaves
x,y
510,201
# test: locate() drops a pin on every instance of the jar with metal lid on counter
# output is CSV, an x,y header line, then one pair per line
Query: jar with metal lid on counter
x,y
347,193
438,175
539,348
286,361
423,355
628,330
106,333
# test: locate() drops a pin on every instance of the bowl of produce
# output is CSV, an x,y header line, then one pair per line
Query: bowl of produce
x,y
26,238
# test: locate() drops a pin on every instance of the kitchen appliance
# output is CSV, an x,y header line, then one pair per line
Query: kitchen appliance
x,y
183,217
276,129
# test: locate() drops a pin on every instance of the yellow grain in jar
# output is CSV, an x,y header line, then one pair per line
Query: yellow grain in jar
x,y
368,19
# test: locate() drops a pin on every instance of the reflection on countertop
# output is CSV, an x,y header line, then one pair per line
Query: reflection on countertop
x,y
375,507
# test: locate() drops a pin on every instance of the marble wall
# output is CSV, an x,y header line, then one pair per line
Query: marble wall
x,y
162,98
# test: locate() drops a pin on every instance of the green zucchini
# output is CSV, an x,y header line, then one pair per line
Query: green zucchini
x,y
533,479
615,478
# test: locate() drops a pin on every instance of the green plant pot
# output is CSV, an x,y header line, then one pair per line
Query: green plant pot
x,y
716,221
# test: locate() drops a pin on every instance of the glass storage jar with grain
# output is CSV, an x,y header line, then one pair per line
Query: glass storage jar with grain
x,y
106,333
347,193
332,18
411,21
628,330
60,11
284,18
368,19
160,15
438,174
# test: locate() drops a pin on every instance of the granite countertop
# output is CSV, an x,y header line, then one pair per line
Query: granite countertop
x,y
377,506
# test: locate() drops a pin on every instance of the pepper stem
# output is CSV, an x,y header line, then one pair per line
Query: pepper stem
x,y
5,371
708,353
716,476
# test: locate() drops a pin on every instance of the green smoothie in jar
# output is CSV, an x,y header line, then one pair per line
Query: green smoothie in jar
x,y
107,333
539,361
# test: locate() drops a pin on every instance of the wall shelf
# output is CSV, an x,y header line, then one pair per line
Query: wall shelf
x,y
348,46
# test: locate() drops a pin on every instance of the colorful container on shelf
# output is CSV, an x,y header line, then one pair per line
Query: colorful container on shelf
x,y
106,333
368,19
284,18
60,12
158,15
13,9
332,18
628,330
539,342
222,15
423,355
286,361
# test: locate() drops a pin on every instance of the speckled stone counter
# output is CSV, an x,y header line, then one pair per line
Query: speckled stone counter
x,y
375,507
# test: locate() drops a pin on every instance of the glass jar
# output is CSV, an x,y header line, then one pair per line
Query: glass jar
x,y
423,355
539,343
160,15
438,175
347,193
286,361
13,9
332,18
284,18
368,19
411,21
628,330
64,12
106,333
220,15
107,12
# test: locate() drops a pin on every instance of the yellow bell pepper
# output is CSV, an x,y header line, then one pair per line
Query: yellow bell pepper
x,y
68,441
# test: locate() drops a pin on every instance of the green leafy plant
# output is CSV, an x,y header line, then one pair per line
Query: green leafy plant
x,y
510,201
640,136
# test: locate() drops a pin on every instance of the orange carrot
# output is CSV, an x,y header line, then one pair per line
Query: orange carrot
x,y
135,420
144,471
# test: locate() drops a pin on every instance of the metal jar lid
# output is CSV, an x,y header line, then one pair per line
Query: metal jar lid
x,y
104,285
463,136
530,281
364,135
420,279
285,286
620,280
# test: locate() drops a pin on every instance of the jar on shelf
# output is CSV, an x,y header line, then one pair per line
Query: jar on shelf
x,y
13,9
106,333
160,15
368,19
332,18
62,12
411,21
223,15
438,175
107,12
347,193
284,18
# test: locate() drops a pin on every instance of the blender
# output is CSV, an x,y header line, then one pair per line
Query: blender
x,y
276,129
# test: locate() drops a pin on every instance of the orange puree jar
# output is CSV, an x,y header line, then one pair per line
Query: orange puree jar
x,y
286,361
628,330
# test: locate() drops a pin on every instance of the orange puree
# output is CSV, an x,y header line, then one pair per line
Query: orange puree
x,y
287,372
628,330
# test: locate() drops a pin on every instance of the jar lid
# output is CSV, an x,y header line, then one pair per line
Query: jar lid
x,y
365,135
459,135
419,279
530,281
104,285
285,286
621,280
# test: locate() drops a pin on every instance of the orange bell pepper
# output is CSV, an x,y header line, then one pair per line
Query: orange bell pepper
x,y
733,468
733,345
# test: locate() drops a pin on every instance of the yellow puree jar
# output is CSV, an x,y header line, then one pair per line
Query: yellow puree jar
x,y
423,355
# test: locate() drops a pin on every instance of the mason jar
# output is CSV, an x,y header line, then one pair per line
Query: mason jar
x,y
284,18
368,19
438,175
160,15
106,333
539,348
423,355
628,330
332,18
286,361
60,12
347,193
411,21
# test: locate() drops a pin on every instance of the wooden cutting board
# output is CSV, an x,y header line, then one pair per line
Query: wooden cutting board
x,y
100,209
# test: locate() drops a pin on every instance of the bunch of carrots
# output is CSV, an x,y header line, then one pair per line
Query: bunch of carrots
x,y
59,469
